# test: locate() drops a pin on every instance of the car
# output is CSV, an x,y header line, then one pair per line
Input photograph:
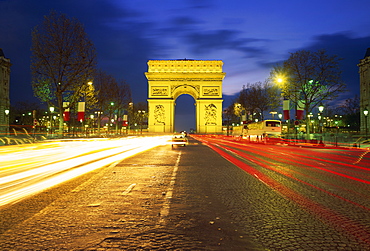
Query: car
x,y
179,139
365,144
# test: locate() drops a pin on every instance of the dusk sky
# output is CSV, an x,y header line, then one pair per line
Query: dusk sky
x,y
248,36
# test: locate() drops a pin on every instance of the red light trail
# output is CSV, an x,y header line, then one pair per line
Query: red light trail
x,y
241,154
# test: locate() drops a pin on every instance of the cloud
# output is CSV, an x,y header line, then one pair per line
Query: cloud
x,y
343,44
177,27
184,21
206,42
200,4
351,49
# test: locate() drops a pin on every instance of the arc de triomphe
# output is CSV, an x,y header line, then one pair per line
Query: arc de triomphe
x,y
168,79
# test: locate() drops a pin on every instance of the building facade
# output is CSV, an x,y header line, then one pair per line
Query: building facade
x,y
364,71
4,93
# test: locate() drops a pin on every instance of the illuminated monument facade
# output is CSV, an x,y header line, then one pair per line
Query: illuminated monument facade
x,y
201,79
364,71
4,92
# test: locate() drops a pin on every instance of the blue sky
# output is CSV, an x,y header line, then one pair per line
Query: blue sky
x,y
249,36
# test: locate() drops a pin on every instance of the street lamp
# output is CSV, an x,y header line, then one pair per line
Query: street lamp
x,y
321,109
273,114
141,116
130,114
366,112
51,108
309,122
113,115
7,121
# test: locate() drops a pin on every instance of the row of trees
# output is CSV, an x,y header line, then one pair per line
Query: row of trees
x,y
63,67
308,79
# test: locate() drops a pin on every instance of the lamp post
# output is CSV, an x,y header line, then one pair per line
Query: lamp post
x,y
141,116
92,123
281,80
321,109
112,120
130,116
51,108
309,116
366,112
7,122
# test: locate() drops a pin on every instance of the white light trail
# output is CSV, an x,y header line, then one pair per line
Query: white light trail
x,y
69,160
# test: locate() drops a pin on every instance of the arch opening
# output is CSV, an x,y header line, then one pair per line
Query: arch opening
x,y
185,113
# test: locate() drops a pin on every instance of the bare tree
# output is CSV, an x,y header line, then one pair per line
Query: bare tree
x,y
351,105
107,92
261,96
25,112
310,78
122,101
139,114
229,117
63,61
350,110
113,98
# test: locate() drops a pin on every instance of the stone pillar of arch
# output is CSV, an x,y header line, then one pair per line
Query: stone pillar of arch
x,y
201,79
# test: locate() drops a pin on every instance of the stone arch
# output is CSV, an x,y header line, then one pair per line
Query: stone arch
x,y
201,79
185,89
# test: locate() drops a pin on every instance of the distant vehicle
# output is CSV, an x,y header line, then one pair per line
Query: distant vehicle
x,y
179,139
185,133
266,130
365,144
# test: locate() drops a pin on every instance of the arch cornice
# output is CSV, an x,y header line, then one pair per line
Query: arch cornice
x,y
193,76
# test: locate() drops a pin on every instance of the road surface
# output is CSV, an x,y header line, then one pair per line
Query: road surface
x,y
214,194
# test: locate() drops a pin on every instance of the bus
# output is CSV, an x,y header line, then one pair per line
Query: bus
x,y
259,131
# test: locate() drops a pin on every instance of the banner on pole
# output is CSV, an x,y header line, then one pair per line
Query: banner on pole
x,y
66,113
124,119
300,109
286,109
81,111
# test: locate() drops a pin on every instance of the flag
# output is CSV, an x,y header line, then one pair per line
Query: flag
x,y
66,113
286,110
81,111
300,109
125,124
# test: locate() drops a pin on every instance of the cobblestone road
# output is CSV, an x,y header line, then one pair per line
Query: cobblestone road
x,y
186,198
127,206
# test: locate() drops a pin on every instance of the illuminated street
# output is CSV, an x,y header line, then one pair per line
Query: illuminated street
x,y
213,194
25,170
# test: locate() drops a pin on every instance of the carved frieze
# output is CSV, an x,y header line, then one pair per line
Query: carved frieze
x,y
159,114
211,91
160,91
210,114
